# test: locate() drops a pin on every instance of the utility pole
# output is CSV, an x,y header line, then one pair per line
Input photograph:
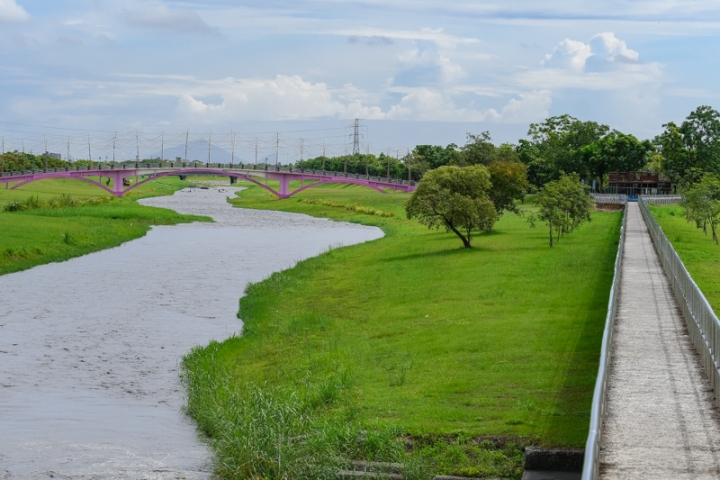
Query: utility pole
x,y
232,155
302,152
137,150
356,136
367,160
407,157
162,148
277,150
209,146
187,133
46,152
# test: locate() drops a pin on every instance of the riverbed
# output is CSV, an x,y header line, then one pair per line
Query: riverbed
x,y
90,348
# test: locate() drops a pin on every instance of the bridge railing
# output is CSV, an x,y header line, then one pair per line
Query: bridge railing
x,y
264,167
597,412
702,322
662,199
609,198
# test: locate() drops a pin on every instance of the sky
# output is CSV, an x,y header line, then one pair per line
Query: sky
x,y
292,76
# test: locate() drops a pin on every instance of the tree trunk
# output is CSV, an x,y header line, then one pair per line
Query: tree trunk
x,y
551,235
465,240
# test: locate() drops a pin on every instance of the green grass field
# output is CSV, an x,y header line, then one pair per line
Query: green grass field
x,y
500,341
698,251
34,237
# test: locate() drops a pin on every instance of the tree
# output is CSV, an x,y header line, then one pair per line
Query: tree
x,y
455,198
478,150
616,152
556,146
564,205
693,144
509,183
701,203
435,156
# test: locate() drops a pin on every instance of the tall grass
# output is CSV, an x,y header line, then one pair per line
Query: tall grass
x,y
263,432
33,202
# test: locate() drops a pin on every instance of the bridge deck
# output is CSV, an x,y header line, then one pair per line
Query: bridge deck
x,y
660,421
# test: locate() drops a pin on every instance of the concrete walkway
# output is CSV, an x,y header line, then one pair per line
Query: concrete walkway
x,y
660,422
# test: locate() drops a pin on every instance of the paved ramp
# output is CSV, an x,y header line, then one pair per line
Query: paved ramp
x,y
660,422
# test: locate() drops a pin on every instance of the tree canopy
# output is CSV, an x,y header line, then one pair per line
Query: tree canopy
x,y
564,205
694,144
455,198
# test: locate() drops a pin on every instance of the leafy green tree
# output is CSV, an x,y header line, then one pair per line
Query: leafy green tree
x,y
556,147
509,183
615,152
693,144
455,198
701,203
435,156
564,205
478,150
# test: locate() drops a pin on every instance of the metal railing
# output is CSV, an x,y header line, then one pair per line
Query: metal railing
x,y
609,198
199,165
662,199
591,464
702,322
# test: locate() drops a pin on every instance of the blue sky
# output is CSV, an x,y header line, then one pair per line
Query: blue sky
x,y
415,71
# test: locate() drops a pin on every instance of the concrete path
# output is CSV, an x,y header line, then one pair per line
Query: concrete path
x,y
660,422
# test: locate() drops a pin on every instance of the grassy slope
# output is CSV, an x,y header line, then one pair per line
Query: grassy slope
x,y
698,251
500,340
35,237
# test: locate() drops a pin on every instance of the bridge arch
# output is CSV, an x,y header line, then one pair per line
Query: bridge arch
x,y
333,180
68,176
193,171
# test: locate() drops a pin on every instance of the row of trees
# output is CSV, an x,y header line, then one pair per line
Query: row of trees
x,y
16,161
564,144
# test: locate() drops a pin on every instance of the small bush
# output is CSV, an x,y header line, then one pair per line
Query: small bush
x,y
353,207
63,201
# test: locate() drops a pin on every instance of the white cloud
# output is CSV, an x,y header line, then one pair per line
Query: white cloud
x,y
606,63
603,52
11,12
284,97
568,54
156,15
427,34
427,104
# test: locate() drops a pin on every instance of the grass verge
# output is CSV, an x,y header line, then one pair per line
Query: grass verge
x,y
42,235
698,251
470,354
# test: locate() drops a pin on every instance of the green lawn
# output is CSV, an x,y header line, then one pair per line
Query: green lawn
x,y
698,251
34,237
500,341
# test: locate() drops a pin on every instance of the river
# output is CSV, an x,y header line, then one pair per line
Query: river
x,y
90,347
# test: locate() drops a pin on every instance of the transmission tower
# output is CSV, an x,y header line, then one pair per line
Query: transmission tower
x,y
356,136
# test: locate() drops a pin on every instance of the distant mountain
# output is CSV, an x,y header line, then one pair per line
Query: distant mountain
x,y
197,150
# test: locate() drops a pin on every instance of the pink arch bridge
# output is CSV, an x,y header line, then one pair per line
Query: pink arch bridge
x,y
115,177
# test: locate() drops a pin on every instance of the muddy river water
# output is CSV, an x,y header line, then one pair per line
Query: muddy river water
x,y
90,348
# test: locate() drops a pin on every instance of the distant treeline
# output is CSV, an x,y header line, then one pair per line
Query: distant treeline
x,y
17,161
563,144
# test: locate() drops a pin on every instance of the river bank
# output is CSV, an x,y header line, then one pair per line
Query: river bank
x,y
43,235
464,351
90,347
